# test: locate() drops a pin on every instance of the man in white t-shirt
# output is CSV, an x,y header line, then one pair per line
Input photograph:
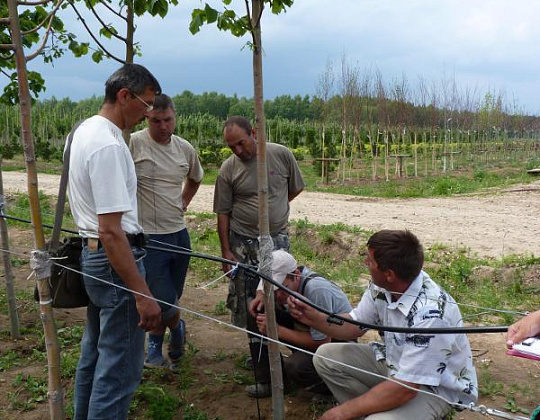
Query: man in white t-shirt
x,y
400,295
102,195
168,176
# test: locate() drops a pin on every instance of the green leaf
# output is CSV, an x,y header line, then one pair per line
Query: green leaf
x,y
97,56
211,14
140,6
197,21
105,32
161,7
279,6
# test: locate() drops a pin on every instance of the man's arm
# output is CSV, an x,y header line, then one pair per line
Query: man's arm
x,y
383,397
121,258
302,339
310,316
296,183
190,189
223,233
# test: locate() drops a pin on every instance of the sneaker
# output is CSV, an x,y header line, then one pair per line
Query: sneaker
x,y
157,362
319,388
176,347
259,390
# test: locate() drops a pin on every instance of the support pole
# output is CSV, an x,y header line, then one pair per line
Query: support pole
x,y
8,269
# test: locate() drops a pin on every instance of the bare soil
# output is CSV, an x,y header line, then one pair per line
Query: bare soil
x,y
492,224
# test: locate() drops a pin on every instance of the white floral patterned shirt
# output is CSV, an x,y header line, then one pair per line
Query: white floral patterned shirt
x,y
442,362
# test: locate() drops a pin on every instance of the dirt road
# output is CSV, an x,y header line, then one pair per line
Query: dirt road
x,y
497,223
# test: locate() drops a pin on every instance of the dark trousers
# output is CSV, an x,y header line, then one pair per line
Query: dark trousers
x,y
297,368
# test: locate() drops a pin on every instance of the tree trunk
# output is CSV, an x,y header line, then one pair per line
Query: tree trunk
x,y
130,30
55,392
265,241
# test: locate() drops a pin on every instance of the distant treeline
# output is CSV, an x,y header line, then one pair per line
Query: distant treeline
x,y
367,120
53,118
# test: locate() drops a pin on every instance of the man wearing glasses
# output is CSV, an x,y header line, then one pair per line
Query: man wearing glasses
x,y
102,196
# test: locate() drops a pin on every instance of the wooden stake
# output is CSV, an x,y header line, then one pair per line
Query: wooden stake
x,y
8,269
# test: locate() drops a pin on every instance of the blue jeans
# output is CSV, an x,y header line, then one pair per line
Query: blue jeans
x,y
112,347
166,271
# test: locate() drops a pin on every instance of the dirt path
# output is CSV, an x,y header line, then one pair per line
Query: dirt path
x,y
494,224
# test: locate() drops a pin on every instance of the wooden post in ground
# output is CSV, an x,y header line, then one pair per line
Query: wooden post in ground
x,y
265,240
415,156
386,158
8,269
39,261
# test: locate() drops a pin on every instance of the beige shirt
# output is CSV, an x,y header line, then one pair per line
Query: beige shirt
x,y
161,171
236,191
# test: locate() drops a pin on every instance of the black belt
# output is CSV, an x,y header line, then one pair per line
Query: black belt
x,y
134,239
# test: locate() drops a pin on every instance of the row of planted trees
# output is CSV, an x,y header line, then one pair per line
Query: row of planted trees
x,y
356,146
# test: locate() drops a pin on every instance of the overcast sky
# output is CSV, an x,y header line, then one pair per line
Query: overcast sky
x,y
483,44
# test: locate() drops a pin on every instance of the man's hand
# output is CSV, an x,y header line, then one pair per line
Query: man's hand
x,y
149,313
261,323
228,255
524,328
257,304
302,312
334,414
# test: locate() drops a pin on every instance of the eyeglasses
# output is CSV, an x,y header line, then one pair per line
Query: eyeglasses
x,y
149,107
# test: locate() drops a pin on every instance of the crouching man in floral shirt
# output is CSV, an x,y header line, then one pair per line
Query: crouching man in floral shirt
x,y
400,295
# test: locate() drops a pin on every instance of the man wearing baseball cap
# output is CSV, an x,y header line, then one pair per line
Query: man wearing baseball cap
x,y
298,367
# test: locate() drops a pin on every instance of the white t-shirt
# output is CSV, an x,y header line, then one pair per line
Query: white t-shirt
x,y
440,361
102,177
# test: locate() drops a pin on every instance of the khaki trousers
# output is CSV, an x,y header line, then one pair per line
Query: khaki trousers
x,y
347,383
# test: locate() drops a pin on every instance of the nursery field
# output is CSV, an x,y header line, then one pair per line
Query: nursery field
x,y
482,247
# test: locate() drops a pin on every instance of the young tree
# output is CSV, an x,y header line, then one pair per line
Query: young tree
x,y
228,20
325,91
40,262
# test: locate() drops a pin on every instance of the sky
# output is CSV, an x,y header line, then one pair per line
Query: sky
x,y
481,44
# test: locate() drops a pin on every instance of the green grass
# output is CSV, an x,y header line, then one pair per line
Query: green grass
x,y
220,308
433,186
53,167
477,178
19,206
191,412
28,391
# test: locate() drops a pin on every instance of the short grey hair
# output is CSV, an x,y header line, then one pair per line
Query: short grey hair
x,y
134,77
